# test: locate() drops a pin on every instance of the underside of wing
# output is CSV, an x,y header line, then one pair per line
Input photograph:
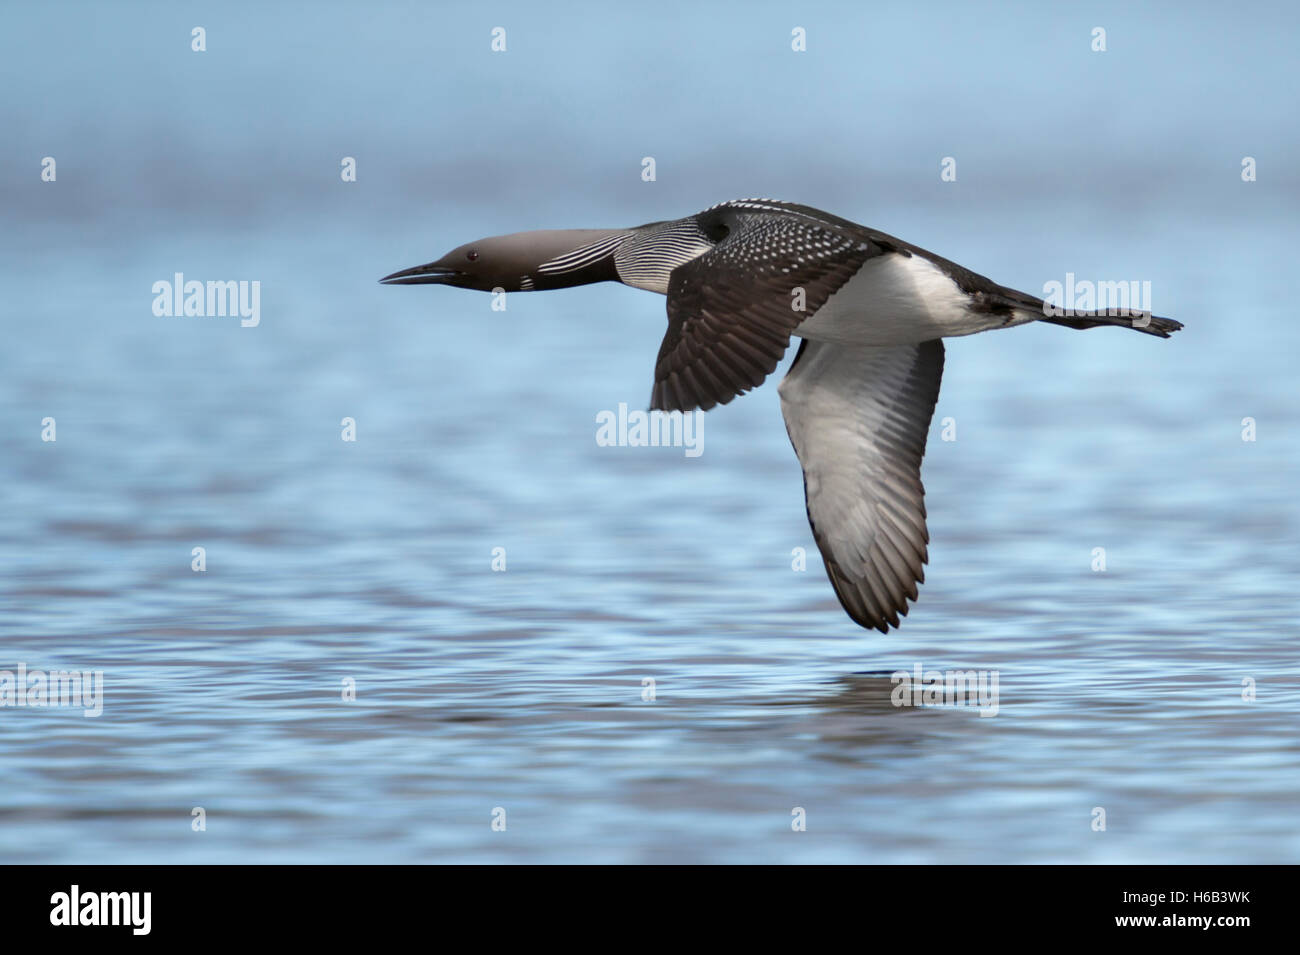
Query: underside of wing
x,y
858,419
731,310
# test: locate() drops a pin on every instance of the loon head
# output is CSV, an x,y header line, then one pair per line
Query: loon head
x,y
523,261
643,257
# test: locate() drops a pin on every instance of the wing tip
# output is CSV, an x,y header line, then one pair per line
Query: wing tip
x,y
668,395
865,606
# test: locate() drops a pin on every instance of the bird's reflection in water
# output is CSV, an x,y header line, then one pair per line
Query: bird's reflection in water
x,y
858,720
868,692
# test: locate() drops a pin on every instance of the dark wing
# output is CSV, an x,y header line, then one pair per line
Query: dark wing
x,y
731,310
858,419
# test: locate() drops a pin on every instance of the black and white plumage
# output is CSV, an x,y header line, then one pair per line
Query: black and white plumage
x,y
743,277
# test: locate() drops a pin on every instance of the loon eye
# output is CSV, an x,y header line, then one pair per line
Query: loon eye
x,y
472,255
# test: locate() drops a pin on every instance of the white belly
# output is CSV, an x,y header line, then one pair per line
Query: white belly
x,y
895,300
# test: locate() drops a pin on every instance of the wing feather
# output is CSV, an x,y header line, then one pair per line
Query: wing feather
x,y
731,310
858,418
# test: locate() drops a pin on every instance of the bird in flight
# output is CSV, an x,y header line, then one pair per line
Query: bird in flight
x,y
871,311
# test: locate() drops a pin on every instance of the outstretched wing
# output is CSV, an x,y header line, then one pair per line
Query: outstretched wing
x,y
732,309
858,418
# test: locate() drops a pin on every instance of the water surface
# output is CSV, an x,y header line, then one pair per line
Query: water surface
x,y
372,561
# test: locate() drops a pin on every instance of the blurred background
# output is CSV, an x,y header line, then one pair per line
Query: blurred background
x,y
522,690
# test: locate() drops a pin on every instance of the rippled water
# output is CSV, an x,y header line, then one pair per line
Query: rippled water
x,y
369,563
523,689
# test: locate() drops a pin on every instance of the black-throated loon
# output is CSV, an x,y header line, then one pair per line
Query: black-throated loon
x,y
871,310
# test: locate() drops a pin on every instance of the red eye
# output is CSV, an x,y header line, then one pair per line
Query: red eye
x,y
471,256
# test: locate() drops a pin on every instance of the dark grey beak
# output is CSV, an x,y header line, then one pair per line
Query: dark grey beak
x,y
431,274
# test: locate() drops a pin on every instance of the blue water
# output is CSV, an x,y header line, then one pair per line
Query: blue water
x,y
522,690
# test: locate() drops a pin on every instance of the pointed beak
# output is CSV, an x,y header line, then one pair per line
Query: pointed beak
x,y
432,274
